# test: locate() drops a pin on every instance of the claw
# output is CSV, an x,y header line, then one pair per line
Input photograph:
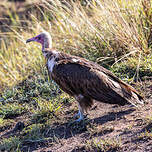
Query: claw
x,y
77,115
81,118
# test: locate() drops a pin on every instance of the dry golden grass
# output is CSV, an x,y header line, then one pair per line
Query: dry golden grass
x,y
107,29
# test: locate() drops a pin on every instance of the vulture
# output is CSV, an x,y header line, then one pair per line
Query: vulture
x,y
86,81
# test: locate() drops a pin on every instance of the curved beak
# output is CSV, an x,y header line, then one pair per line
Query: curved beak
x,y
29,40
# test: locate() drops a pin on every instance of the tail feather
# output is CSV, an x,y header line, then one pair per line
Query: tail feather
x,y
134,98
129,93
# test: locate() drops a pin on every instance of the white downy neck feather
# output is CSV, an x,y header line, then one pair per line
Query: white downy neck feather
x,y
51,63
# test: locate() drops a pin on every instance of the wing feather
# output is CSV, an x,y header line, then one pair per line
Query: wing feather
x,y
91,80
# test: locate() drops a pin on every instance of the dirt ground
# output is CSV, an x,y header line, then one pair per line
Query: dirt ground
x,y
110,122
125,129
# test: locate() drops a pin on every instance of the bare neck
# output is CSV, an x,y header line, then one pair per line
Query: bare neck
x,y
49,53
47,43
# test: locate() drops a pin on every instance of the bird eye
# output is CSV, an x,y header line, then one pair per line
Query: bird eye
x,y
38,38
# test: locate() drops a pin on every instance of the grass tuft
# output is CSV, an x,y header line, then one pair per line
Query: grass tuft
x,y
105,144
11,110
10,144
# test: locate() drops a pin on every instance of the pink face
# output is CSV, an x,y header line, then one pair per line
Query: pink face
x,y
39,38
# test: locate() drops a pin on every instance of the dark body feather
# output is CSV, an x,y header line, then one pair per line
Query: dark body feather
x,y
77,76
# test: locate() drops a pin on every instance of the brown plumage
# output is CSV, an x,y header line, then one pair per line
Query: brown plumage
x,y
85,80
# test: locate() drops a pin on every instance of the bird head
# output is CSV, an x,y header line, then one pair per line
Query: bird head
x,y
44,39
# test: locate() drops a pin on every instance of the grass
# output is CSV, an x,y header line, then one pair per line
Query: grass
x,y
5,123
11,110
35,106
146,134
30,135
36,94
103,31
105,144
127,70
115,34
10,144
34,133
46,110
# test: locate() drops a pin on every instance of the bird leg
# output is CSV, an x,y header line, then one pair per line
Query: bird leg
x,y
83,104
79,98
80,114
77,114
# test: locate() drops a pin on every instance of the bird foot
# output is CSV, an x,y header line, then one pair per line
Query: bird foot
x,y
77,115
81,118
80,115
